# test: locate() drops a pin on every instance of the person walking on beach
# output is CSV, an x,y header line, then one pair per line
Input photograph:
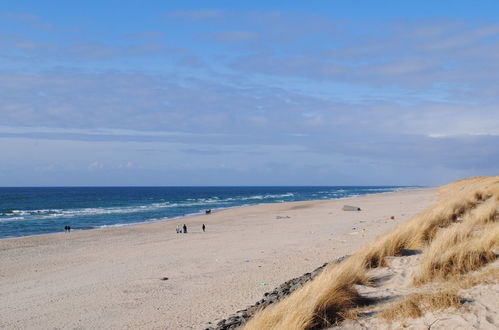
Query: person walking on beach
x,y
178,229
185,229
204,228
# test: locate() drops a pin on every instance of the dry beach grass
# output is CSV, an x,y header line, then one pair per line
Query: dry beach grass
x,y
456,235
444,295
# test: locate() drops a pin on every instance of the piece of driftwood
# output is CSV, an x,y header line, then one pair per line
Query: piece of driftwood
x,y
350,208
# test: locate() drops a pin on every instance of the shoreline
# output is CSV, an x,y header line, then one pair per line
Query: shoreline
x,y
216,210
114,278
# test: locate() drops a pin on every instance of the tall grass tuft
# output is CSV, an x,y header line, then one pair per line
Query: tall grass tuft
x,y
464,246
445,296
457,251
318,303
455,200
416,304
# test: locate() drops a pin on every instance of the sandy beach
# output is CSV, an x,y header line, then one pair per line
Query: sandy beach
x,y
148,277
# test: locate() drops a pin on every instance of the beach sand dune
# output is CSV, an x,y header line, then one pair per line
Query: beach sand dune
x,y
148,277
438,270
477,310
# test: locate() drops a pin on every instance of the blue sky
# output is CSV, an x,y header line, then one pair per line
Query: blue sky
x,y
248,93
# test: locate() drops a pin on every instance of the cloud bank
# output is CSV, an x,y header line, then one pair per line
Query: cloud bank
x,y
224,96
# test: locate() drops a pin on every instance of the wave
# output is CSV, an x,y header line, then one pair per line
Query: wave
x,y
169,218
16,215
13,215
197,204
11,219
379,189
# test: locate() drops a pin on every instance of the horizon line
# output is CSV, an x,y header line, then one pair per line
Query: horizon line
x,y
210,186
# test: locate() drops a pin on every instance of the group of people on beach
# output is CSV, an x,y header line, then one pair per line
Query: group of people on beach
x,y
184,229
67,229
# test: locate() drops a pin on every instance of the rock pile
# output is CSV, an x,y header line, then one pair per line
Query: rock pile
x,y
279,293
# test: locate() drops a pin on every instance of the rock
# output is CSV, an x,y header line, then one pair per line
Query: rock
x,y
271,297
350,208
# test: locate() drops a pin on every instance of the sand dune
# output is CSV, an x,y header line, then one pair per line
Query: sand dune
x,y
441,261
476,307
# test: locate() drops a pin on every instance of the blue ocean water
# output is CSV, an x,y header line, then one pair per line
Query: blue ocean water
x,y
34,211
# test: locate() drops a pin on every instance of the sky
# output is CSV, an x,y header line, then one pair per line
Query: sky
x,y
104,93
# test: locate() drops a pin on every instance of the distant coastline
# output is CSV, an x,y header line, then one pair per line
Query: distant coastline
x,y
46,210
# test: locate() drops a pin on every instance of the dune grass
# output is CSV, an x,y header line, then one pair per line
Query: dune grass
x,y
416,304
445,296
485,276
457,251
464,246
318,303
457,235
420,231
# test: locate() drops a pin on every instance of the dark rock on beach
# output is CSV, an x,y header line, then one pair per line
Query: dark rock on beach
x,y
240,317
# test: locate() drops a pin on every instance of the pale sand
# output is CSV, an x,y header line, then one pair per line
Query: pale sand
x,y
111,278
479,310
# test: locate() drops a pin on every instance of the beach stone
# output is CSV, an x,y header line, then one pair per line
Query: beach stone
x,y
271,297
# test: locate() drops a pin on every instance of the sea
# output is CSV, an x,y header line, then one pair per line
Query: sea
x,y
37,211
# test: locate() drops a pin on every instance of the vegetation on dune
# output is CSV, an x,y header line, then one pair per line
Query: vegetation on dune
x,y
465,246
457,235
416,304
318,303
456,251
446,295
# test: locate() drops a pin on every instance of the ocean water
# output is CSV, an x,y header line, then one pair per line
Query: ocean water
x,y
34,211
